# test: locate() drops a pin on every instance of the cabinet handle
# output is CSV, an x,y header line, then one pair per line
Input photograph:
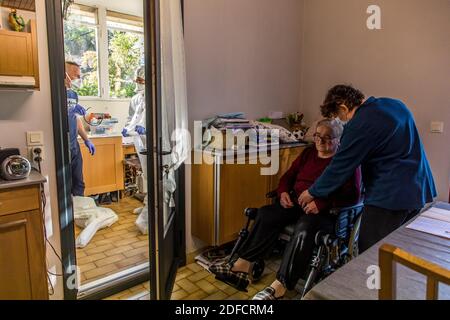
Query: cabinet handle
x,y
13,224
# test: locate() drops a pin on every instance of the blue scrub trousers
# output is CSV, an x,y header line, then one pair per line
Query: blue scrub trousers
x,y
77,172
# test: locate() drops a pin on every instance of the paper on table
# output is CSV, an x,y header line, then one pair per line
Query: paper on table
x,y
433,221
438,214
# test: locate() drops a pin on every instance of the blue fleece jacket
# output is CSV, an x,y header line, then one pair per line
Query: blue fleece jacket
x,y
382,137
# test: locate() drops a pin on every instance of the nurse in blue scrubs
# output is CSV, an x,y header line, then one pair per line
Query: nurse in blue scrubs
x,y
380,135
73,74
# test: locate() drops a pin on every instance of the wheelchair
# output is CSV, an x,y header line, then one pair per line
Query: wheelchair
x,y
332,249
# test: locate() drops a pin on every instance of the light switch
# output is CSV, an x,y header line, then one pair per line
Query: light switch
x,y
437,127
35,138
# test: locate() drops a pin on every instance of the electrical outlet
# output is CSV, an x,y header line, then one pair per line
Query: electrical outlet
x,y
33,152
437,127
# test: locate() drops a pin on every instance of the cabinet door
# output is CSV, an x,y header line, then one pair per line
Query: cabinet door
x,y
22,258
16,55
103,172
241,186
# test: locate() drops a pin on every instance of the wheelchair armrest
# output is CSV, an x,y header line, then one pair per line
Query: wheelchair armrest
x,y
272,194
251,213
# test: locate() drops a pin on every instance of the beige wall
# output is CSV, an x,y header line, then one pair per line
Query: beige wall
x,y
408,59
22,111
241,55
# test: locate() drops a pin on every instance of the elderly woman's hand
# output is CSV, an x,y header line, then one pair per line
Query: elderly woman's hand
x,y
311,208
286,201
305,198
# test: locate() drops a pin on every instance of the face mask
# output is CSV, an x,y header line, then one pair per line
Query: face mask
x,y
75,83
338,120
140,87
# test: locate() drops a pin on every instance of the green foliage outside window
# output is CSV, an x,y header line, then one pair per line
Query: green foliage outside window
x,y
125,52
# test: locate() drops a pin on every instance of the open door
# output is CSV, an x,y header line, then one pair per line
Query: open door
x,y
167,144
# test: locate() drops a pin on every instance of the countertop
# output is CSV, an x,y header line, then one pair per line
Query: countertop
x,y
34,178
251,151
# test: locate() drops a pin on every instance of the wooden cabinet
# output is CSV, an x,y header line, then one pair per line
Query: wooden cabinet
x,y
221,192
23,274
103,172
19,54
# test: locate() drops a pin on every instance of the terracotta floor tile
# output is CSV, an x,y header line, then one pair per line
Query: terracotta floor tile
x,y
118,250
134,252
109,260
100,271
128,262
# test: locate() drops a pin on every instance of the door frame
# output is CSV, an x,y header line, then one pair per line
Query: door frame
x,y
55,35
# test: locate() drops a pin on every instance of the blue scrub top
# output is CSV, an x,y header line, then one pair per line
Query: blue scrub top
x,y
72,101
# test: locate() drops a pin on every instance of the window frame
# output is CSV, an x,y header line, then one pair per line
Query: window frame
x,y
101,14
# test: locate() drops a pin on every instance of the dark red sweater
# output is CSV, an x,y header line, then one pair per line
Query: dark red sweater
x,y
304,172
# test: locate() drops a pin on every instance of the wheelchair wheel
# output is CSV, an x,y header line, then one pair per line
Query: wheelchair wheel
x,y
258,269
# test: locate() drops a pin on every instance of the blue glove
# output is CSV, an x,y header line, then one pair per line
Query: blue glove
x,y
90,146
140,130
80,110
125,133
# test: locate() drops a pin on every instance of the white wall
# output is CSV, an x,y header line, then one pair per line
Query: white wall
x,y
31,111
241,55
408,59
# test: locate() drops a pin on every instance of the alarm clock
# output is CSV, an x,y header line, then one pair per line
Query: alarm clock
x,y
15,167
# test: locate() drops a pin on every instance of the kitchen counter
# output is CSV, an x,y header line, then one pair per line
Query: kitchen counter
x,y
33,179
106,135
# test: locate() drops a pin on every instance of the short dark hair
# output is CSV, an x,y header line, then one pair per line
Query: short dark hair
x,y
339,95
72,63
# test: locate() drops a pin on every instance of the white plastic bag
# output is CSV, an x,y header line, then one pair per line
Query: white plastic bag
x,y
91,218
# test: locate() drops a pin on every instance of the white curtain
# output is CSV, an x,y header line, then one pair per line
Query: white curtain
x,y
173,94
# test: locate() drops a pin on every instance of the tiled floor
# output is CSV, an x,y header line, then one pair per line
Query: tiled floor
x,y
195,283
116,248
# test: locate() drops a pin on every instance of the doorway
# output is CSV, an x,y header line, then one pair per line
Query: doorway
x,y
111,233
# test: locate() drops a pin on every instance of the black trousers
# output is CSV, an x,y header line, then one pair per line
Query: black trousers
x,y
269,223
377,223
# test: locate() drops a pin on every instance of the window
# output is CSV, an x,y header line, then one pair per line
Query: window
x,y
81,46
125,53
109,46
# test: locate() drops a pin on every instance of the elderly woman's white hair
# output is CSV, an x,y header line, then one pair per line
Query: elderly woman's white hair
x,y
335,126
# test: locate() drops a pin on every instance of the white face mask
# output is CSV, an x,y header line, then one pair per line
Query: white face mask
x,y
74,83
338,120
140,87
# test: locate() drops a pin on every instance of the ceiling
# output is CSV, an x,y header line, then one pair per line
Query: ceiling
x,y
133,7
28,5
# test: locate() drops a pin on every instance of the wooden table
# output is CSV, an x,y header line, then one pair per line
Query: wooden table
x,y
350,281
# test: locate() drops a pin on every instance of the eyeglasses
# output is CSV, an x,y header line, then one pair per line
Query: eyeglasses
x,y
317,137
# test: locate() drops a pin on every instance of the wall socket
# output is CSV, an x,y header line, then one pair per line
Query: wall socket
x,y
437,127
32,154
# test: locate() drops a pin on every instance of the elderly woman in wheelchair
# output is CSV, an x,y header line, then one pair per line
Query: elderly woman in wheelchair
x,y
271,220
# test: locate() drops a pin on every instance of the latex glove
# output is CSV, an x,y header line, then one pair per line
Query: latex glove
x,y
140,130
80,110
125,132
90,146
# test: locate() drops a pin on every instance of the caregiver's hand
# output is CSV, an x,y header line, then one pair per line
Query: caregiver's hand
x,y
311,208
305,198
